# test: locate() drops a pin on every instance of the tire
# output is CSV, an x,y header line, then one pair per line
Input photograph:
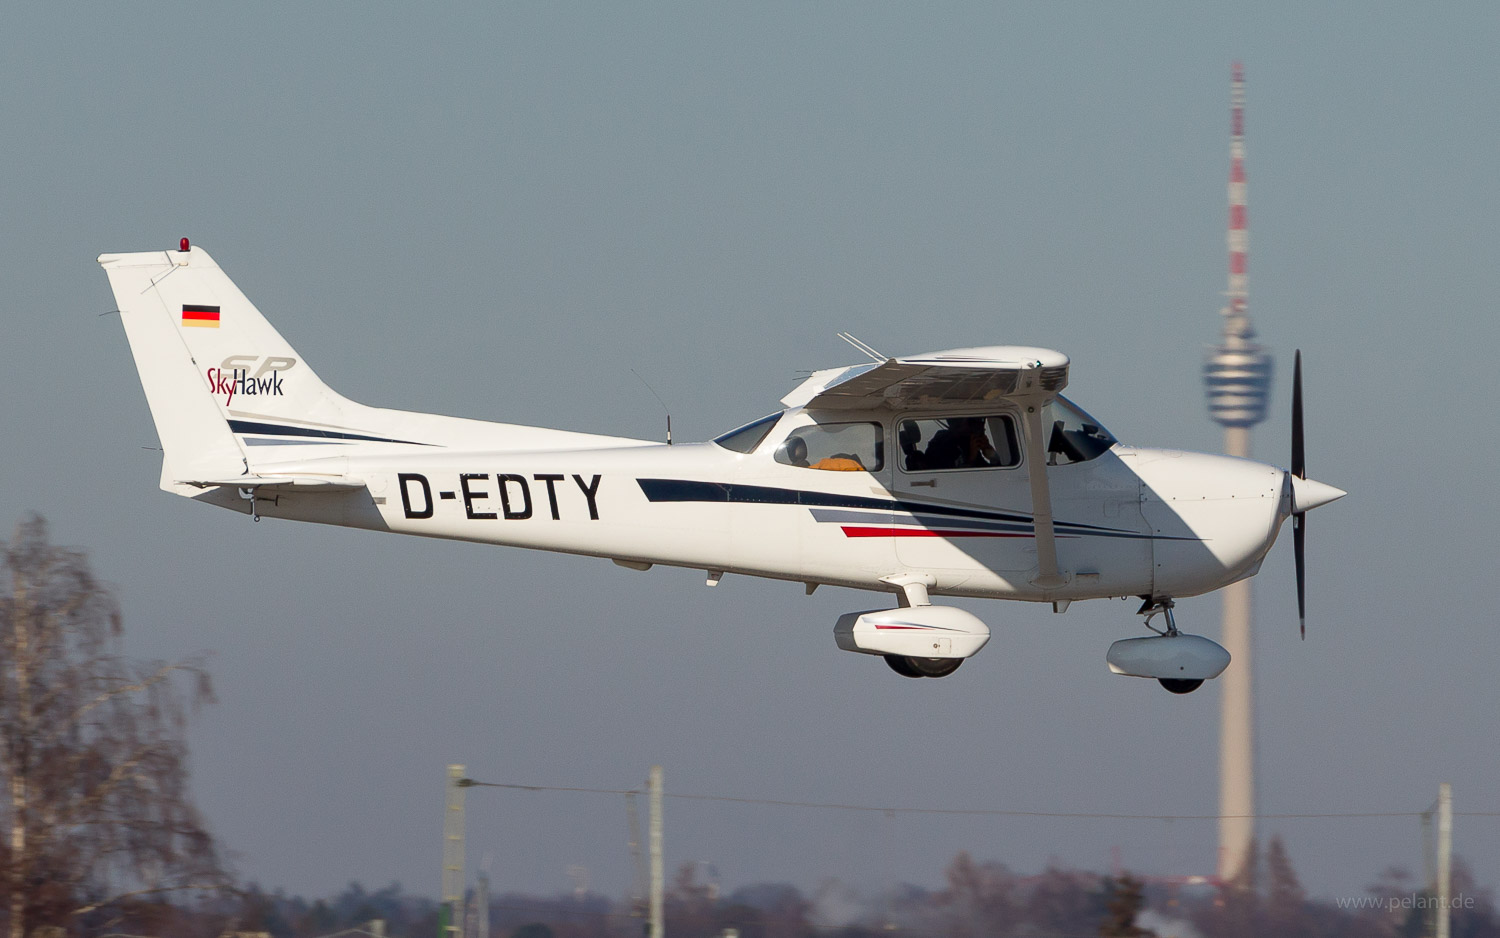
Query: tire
x,y
1178,685
902,665
934,667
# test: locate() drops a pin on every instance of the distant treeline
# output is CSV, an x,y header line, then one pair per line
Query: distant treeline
x,y
978,900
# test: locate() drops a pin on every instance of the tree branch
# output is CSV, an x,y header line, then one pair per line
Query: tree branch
x,y
161,674
207,887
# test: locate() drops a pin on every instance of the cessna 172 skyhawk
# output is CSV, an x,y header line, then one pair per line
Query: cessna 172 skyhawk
x,y
959,473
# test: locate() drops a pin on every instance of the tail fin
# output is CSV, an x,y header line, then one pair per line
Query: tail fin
x,y
230,396
219,379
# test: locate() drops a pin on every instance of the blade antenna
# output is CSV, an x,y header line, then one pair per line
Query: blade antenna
x,y
862,348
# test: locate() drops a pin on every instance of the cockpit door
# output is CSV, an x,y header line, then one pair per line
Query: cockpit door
x,y
962,491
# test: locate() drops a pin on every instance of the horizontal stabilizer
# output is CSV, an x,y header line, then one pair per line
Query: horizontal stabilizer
x,y
280,483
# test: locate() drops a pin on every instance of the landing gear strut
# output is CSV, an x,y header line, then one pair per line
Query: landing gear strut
x,y
1151,608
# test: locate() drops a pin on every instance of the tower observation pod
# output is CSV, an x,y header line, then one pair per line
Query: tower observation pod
x,y
1237,375
1237,372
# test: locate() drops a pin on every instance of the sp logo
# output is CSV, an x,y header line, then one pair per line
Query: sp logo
x,y
248,363
249,375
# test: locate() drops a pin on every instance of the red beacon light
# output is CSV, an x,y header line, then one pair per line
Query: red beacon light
x,y
184,246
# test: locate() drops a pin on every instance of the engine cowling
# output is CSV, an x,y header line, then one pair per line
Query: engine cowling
x,y
914,631
1179,657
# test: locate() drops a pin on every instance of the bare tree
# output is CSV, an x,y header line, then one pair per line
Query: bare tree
x,y
93,757
1127,897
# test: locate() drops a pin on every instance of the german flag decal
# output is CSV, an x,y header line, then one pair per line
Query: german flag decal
x,y
203,316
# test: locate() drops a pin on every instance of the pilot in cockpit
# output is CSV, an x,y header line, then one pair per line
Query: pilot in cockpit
x,y
963,445
796,452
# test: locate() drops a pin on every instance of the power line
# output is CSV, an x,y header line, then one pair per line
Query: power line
x,y
972,812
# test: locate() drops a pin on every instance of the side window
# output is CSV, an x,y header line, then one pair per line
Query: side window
x,y
846,447
958,443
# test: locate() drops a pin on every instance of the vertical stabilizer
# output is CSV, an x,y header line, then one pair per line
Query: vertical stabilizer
x,y
213,369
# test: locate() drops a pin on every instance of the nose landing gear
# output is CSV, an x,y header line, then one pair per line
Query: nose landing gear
x,y
1176,660
1164,608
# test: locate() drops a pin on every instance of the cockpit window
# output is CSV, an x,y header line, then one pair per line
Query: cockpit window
x,y
745,439
1072,435
968,442
840,447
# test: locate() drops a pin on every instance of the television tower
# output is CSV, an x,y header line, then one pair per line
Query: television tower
x,y
1237,376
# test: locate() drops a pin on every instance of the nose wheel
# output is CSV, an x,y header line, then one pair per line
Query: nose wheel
x,y
1178,686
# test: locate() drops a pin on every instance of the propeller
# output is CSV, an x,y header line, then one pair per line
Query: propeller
x,y
1307,494
1299,518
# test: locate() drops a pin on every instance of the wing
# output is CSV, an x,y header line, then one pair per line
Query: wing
x,y
957,376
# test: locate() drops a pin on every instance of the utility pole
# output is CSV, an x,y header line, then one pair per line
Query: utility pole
x,y
658,927
451,915
1444,857
482,912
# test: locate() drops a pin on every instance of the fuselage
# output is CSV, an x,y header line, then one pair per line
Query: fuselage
x,y
1130,521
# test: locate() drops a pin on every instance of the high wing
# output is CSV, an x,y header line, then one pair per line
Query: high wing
x,y
1029,376
955,376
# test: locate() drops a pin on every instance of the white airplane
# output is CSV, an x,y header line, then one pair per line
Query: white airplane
x,y
957,473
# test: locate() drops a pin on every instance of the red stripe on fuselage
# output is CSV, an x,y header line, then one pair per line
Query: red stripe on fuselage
x,y
855,531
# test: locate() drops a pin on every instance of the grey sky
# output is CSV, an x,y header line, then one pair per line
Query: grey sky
x,y
499,212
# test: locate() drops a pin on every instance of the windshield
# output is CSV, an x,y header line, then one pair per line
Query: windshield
x,y
745,439
1072,435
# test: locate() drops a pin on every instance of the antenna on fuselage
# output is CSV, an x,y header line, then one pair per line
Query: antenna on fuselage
x,y
862,347
659,401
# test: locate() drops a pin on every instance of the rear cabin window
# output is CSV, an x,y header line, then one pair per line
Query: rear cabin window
x,y
969,442
838,447
745,439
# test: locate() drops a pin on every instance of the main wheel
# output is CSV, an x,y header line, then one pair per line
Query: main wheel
x,y
902,666
1179,686
923,667
935,667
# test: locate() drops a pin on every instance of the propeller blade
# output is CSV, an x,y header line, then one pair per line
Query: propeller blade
x,y
1299,519
1299,457
1299,536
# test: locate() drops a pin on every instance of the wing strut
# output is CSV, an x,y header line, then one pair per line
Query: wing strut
x,y
1047,576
